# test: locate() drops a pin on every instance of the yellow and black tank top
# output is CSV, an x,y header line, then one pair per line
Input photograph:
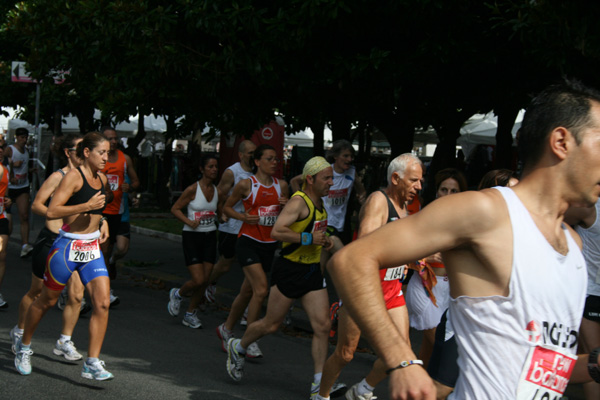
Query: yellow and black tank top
x,y
315,221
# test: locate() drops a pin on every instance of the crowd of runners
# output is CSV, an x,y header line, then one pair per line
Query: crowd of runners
x,y
504,281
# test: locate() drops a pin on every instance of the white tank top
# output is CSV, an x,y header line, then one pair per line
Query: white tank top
x,y
336,202
201,210
591,252
233,225
21,173
499,338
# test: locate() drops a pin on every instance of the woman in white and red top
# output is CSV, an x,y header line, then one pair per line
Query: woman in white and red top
x,y
4,202
263,196
199,239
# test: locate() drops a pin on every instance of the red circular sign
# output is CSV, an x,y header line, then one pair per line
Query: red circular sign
x,y
267,133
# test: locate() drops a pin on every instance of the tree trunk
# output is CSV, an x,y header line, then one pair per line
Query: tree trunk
x,y
134,142
318,129
504,140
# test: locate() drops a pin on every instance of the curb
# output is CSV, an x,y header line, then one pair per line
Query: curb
x,y
151,232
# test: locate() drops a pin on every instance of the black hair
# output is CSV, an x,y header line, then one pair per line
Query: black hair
x,y
496,177
67,142
21,132
566,105
258,153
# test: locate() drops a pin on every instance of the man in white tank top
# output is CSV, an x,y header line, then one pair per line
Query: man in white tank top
x,y
18,186
517,275
229,229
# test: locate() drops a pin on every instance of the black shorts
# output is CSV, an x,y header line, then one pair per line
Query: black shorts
x,y
40,251
294,279
114,222
124,229
249,251
199,247
592,308
14,193
4,226
442,364
227,244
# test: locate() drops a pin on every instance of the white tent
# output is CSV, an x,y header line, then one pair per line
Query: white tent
x,y
306,137
481,129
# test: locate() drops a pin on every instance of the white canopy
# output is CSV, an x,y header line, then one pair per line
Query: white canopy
x,y
481,129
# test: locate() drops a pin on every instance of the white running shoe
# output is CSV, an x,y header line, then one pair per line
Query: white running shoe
x,y
224,335
334,392
23,360
95,371
253,351
62,299
210,293
114,300
26,249
174,302
244,320
192,320
67,350
235,360
3,304
352,394
15,337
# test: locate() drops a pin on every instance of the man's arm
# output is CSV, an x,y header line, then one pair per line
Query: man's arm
x,y
133,178
225,185
372,214
296,183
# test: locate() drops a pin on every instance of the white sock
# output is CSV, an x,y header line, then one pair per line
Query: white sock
x,y
19,331
319,397
64,338
317,378
239,348
364,387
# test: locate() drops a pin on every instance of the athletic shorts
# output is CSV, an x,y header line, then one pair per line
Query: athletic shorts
x,y
227,244
114,222
4,226
15,193
392,294
41,249
422,314
249,251
59,268
124,229
442,364
199,247
592,308
295,279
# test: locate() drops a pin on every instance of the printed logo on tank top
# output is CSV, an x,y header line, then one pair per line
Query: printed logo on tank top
x,y
320,226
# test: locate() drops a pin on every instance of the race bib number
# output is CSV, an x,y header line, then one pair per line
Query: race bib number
x,y
84,250
396,273
268,215
320,226
113,181
546,373
337,197
205,217
21,179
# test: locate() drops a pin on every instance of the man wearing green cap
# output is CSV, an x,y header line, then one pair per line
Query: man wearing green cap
x,y
297,273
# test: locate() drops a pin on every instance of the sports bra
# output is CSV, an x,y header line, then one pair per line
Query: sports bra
x,y
85,194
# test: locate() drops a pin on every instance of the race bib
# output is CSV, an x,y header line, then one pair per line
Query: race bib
x,y
337,197
320,226
268,215
84,250
113,181
205,217
396,273
21,179
546,373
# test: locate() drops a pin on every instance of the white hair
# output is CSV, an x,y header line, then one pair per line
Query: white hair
x,y
399,164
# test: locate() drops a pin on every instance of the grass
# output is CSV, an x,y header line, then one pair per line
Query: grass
x,y
169,225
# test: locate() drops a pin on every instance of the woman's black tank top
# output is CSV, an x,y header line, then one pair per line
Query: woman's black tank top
x,y
85,194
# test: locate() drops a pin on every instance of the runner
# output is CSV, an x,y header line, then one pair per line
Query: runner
x,y
64,345
297,273
18,188
79,200
199,239
515,269
263,197
230,227
405,173
4,230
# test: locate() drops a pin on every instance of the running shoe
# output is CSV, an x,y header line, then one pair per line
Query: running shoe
x,y
224,335
62,299
114,300
253,351
235,360
192,320
210,293
287,320
67,350
244,320
352,394
26,249
95,371
85,307
15,337
23,360
174,302
3,304
336,389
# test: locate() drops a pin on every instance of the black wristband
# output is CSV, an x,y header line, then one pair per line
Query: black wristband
x,y
404,364
593,368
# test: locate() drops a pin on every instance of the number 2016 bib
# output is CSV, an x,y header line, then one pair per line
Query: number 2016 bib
x,y
546,373
268,215
84,250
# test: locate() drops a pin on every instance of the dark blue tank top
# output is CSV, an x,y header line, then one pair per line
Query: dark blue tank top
x,y
85,194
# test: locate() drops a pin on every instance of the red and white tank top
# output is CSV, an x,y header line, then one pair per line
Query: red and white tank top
x,y
264,202
115,172
3,188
